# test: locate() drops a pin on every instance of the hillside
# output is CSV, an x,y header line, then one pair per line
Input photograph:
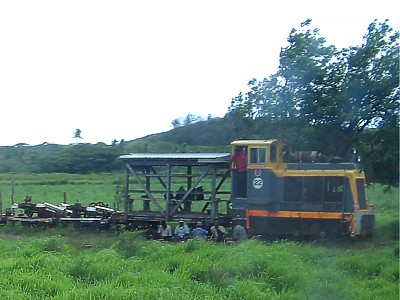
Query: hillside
x,y
207,136
379,159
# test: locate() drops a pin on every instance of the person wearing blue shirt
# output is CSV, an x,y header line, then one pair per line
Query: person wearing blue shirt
x,y
199,232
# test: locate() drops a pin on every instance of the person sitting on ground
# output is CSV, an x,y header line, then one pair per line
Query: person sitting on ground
x,y
151,232
165,231
181,231
199,232
218,232
239,233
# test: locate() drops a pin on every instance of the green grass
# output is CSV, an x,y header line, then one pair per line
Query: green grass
x,y
50,265
63,263
387,211
105,187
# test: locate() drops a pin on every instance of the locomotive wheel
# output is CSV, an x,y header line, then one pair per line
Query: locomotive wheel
x,y
318,231
323,234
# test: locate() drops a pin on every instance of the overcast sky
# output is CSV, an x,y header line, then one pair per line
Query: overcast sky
x,y
125,69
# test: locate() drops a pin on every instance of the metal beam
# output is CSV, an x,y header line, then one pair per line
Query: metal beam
x,y
126,192
168,193
214,205
221,182
158,177
148,193
189,191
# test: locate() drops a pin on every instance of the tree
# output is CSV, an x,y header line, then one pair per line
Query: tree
x,y
372,80
286,102
325,98
380,148
176,123
189,119
77,134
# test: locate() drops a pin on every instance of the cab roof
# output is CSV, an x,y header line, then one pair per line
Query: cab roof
x,y
255,142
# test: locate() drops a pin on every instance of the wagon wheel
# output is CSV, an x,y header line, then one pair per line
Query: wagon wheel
x,y
101,203
93,204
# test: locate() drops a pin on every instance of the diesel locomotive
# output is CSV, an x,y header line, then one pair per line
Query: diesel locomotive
x,y
301,197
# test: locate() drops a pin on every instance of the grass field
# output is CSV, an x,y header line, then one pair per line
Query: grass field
x,y
63,263
52,187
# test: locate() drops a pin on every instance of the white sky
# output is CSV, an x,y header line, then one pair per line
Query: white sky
x,y
126,69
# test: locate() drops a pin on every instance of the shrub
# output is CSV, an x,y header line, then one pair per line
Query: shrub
x,y
131,244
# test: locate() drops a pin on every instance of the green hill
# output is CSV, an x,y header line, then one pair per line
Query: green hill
x,y
380,159
206,136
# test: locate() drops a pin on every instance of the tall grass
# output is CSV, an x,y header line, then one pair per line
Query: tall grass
x,y
387,210
63,263
48,266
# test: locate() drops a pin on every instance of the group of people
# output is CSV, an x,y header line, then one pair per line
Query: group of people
x,y
217,232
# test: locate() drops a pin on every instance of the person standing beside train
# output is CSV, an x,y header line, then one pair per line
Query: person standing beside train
x,y
240,160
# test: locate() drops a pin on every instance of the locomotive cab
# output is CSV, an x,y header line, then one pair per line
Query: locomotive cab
x,y
261,155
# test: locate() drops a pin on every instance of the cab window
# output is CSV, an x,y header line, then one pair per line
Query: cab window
x,y
258,155
272,154
362,200
285,154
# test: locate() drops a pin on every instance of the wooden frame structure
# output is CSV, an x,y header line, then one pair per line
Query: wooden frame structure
x,y
174,186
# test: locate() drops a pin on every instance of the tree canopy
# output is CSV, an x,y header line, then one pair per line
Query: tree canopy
x,y
330,99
